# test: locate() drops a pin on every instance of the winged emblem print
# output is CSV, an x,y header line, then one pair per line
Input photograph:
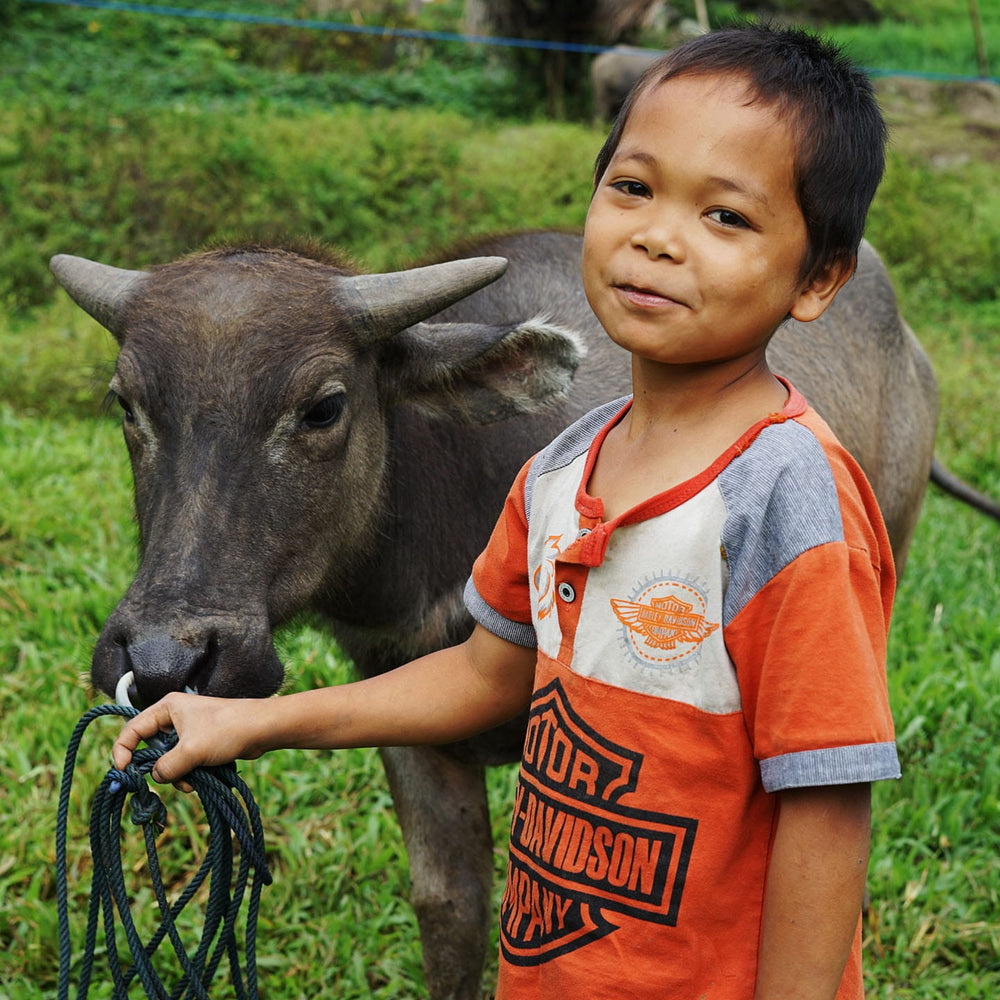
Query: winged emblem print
x,y
664,622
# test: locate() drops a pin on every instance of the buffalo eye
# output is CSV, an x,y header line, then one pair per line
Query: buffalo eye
x,y
325,413
127,415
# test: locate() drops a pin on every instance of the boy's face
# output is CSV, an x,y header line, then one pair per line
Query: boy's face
x,y
694,239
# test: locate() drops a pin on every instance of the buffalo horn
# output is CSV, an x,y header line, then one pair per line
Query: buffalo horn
x,y
384,304
98,289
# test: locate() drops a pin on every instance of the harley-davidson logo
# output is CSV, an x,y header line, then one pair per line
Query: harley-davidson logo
x,y
577,854
665,623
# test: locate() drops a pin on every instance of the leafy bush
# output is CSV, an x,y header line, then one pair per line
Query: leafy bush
x,y
124,59
138,188
8,11
946,245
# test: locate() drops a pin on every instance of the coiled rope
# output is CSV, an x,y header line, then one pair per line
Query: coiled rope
x,y
233,820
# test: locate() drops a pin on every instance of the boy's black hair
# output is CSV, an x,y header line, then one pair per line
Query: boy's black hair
x,y
829,104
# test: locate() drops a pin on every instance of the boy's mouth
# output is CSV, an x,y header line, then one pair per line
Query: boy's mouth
x,y
646,296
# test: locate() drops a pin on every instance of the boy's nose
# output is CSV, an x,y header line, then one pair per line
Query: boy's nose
x,y
660,237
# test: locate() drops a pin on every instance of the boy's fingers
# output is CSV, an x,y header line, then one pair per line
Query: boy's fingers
x,y
145,725
203,738
123,747
167,771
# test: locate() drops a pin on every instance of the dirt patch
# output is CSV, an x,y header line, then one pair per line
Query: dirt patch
x,y
978,102
942,121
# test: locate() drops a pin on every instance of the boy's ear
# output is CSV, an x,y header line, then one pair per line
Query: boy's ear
x,y
821,289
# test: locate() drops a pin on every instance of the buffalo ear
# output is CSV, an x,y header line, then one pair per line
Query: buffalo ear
x,y
481,374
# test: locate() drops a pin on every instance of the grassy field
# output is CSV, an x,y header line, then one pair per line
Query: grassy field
x,y
336,922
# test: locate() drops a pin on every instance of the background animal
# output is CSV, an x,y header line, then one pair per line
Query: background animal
x,y
300,439
612,75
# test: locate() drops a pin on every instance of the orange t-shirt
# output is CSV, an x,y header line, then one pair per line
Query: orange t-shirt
x,y
718,643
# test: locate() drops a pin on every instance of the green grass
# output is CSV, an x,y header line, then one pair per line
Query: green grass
x,y
949,49
934,929
142,172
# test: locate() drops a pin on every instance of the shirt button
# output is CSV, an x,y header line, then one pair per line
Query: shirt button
x,y
567,593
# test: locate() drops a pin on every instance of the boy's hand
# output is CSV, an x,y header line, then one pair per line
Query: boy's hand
x,y
210,731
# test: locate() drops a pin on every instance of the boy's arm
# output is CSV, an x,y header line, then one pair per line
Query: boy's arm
x,y
815,887
439,698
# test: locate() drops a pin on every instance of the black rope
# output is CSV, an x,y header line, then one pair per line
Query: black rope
x,y
233,818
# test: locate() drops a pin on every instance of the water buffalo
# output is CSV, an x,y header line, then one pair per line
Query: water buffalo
x,y
304,438
613,74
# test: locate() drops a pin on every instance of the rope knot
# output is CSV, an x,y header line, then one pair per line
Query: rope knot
x,y
147,807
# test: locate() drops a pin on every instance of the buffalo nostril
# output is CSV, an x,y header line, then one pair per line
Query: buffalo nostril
x,y
162,664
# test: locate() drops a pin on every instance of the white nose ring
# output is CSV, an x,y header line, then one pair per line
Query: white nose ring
x,y
121,689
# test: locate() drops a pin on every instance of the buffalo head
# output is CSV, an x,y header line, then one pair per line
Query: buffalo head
x,y
257,388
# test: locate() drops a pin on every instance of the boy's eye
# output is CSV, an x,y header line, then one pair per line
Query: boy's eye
x,y
634,189
727,217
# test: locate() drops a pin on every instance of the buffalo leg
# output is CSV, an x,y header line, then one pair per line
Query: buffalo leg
x,y
443,813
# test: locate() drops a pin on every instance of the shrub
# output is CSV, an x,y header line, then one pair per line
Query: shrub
x,y
947,244
138,188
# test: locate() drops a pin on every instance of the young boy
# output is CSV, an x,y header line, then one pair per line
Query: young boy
x,y
690,588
